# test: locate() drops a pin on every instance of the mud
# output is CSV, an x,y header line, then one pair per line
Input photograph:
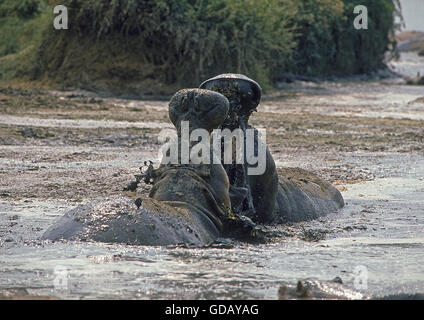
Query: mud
x,y
60,149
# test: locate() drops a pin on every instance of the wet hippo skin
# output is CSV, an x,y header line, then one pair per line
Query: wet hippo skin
x,y
189,203
117,220
186,203
294,194
244,96
302,196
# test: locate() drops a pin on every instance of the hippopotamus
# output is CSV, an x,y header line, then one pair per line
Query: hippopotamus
x,y
195,203
188,203
295,196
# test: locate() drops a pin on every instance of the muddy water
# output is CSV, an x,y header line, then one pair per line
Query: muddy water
x,y
367,138
381,228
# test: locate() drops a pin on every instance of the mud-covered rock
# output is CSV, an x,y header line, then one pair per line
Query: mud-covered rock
x,y
36,133
310,289
22,294
313,289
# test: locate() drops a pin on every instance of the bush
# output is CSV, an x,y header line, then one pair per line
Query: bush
x,y
180,43
316,24
23,9
328,44
17,28
194,39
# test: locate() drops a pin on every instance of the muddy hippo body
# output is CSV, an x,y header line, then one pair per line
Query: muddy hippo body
x,y
191,203
302,196
186,203
187,217
293,195
244,95
264,187
117,220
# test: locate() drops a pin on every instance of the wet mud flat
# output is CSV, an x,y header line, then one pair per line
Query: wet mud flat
x,y
61,149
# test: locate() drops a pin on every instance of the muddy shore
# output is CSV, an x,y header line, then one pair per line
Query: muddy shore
x,y
59,145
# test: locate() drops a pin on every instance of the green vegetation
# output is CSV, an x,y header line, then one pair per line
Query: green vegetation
x,y
156,46
21,27
328,44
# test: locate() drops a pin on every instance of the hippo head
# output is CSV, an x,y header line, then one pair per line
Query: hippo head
x,y
243,93
201,108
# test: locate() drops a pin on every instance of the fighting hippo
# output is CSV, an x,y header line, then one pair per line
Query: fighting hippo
x,y
197,202
296,195
187,204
